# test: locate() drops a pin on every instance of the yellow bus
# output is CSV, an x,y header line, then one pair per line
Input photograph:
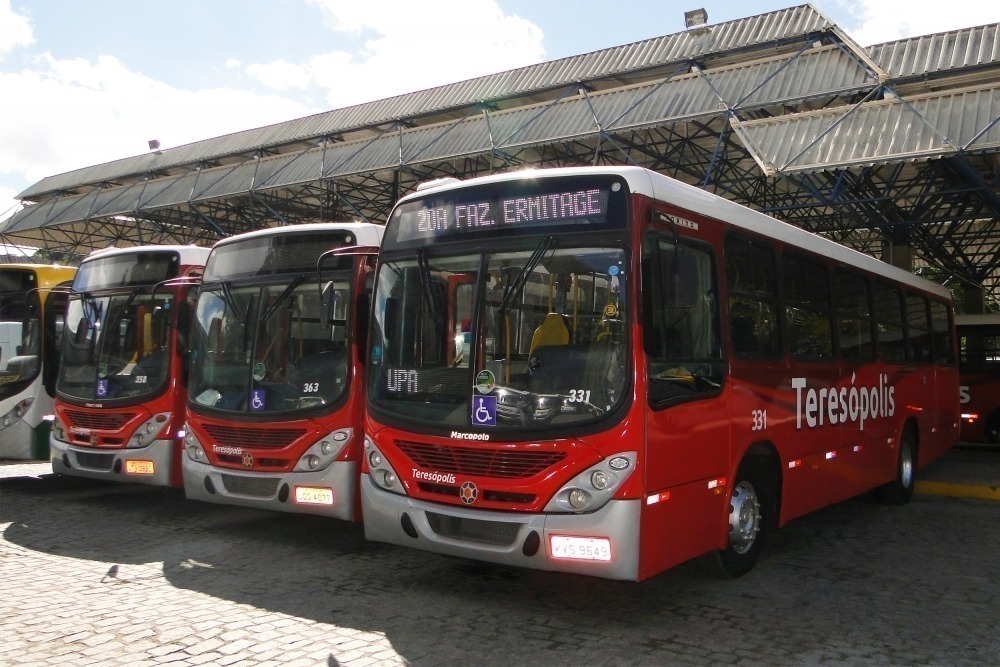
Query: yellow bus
x,y
32,308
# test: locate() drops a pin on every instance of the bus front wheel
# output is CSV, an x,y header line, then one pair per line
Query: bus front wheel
x,y
747,514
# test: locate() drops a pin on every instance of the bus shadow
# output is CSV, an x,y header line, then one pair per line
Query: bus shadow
x,y
325,571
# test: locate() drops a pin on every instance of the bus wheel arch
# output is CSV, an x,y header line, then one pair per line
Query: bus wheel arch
x,y
899,490
753,509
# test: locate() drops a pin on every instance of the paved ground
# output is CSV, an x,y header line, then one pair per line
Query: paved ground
x,y
101,574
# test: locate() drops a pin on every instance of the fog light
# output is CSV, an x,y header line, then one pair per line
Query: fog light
x,y
599,479
150,427
579,498
374,459
388,479
312,461
326,447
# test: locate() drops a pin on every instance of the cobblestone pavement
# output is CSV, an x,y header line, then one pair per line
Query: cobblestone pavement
x,y
93,573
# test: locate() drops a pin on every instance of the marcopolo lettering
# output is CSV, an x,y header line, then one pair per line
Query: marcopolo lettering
x,y
458,435
844,404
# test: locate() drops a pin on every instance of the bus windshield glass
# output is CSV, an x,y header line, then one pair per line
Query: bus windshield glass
x,y
116,345
263,341
530,335
20,338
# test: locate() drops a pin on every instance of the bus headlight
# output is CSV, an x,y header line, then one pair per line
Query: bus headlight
x,y
16,413
149,430
380,471
58,432
593,488
192,446
324,451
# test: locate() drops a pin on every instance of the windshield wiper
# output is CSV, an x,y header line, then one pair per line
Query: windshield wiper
x,y
281,297
227,296
522,277
425,281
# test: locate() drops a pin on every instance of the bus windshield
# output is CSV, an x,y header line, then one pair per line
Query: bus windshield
x,y
20,338
270,348
116,346
529,335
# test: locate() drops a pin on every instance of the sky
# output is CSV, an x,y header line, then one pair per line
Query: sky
x,y
84,83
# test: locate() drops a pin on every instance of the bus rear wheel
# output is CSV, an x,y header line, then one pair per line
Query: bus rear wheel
x,y
747,515
900,490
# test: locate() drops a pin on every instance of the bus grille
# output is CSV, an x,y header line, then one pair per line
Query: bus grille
x,y
261,438
496,533
258,487
91,461
480,461
99,420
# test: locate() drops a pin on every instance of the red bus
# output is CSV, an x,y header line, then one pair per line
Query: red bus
x,y
979,375
276,395
121,390
604,371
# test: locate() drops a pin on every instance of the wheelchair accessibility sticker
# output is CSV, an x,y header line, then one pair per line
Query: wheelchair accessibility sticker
x,y
257,400
484,411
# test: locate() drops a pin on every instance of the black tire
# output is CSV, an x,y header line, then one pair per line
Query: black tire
x,y
993,428
900,490
750,505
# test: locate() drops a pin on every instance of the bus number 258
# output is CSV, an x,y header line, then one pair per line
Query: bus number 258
x,y
758,419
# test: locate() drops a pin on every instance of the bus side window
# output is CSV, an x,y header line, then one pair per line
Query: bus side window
x,y
854,316
889,323
944,348
918,329
807,308
752,298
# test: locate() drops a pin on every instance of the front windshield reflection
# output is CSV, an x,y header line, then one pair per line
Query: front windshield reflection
x,y
116,346
530,338
265,349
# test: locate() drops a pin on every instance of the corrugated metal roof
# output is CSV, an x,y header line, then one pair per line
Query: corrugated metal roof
x,y
781,80
930,54
878,132
735,35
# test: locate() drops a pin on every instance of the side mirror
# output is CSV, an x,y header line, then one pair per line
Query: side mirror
x,y
328,298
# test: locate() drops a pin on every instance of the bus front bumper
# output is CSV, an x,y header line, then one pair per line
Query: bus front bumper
x,y
144,465
329,492
517,540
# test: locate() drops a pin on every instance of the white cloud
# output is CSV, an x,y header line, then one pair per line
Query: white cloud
x,y
409,46
15,29
280,75
878,21
76,113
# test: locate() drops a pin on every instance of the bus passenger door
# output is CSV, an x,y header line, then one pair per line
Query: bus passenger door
x,y
687,425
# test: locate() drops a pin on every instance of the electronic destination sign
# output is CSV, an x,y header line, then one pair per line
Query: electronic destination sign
x,y
530,205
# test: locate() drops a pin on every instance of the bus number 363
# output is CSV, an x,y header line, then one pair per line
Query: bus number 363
x,y
758,420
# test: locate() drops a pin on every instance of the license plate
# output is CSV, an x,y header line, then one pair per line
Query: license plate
x,y
308,495
139,467
580,548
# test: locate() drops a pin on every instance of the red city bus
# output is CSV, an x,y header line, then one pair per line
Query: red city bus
x,y
276,395
979,375
604,371
121,390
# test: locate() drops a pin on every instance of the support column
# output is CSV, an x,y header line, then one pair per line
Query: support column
x,y
898,254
